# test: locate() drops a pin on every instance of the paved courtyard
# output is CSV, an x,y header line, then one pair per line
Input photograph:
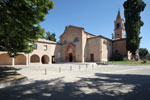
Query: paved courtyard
x,y
75,81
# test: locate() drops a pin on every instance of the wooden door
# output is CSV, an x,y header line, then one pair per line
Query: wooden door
x,y
92,57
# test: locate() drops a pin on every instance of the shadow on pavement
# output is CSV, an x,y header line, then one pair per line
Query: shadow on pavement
x,y
7,73
101,87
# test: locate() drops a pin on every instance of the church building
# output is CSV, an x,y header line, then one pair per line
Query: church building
x,y
76,45
81,46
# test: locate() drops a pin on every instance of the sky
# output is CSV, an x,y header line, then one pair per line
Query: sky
x,y
95,16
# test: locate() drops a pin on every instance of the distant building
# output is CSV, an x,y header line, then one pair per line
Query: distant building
x,y
44,53
76,45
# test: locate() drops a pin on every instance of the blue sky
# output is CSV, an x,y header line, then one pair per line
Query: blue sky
x,y
96,16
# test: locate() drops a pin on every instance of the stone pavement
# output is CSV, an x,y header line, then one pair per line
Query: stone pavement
x,y
80,82
9,74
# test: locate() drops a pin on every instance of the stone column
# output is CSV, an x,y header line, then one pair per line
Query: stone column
x,y
83,59
50,60
13,61
27,60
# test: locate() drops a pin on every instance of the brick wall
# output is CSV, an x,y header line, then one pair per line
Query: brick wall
x,y
120,46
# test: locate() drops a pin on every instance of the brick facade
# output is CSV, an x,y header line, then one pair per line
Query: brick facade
x,y
120,46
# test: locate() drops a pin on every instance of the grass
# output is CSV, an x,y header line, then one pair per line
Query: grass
x,y
129,62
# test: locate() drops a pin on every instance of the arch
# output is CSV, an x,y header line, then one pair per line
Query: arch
x,y
118,25
45,59
70,53
5,59
34,59
20,60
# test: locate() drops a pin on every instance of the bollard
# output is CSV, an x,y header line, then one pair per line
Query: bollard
x,y
59,69
70,68
79,67
86,66
45,71
92,65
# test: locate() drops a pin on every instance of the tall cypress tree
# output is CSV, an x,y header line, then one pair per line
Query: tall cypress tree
x,y
133,23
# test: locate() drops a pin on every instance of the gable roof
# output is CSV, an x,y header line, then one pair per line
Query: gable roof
x,y
77,28
119,39
89,33
101,37
70,27
40,40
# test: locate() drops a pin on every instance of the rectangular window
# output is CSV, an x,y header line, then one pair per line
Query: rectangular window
x,y
35,46
45,47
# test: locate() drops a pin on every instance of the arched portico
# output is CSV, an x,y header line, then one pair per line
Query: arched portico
x,y
5,59
35,59
45,59
20,60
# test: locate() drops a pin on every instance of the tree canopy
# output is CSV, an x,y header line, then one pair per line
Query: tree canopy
x,y
143,52
50,36
133,23
20,24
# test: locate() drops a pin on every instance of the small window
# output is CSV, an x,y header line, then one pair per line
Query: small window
x,y
35,46
104,42
45,47
118,34
76,39
118,26
110,44
65,42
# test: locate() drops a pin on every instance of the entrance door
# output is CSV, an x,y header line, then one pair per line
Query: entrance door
x,y
70,57
43,60
53,59
92,57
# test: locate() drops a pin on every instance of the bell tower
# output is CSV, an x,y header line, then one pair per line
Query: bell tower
x,y
119,27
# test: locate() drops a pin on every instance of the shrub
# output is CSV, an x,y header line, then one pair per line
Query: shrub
x,y
148,56
117,56
125,59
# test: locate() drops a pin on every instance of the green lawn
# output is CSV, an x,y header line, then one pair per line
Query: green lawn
x,y
129,62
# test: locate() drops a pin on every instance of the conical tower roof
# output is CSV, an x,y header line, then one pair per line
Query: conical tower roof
x,y
119,15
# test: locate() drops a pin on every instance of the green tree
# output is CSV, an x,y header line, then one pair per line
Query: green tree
x,y
133,23
19,24
143,52
148,56
117,56
50,36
